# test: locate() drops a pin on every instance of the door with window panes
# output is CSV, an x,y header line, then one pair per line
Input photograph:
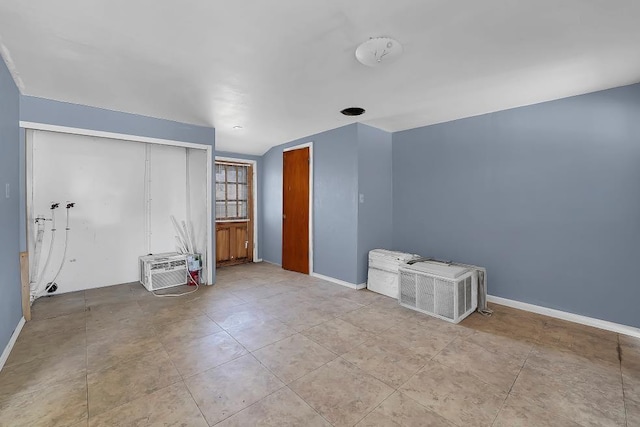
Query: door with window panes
x,y
234,211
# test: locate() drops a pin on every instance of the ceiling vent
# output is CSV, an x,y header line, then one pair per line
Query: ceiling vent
x,y
353,111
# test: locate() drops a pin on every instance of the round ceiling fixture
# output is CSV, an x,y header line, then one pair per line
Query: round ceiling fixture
x,y
237,127
378,50
353,111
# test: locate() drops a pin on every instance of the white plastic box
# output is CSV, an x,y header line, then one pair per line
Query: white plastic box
x,y
448,292
383,270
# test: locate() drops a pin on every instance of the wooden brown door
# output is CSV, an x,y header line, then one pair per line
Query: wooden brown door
x,y
234,213
295,210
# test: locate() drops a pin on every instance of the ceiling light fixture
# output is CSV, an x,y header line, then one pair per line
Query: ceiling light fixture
x,y
378,50
353,111
237,127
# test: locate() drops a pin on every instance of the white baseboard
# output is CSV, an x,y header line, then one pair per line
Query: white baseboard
x,y
257,260
570,317
339,282
12,341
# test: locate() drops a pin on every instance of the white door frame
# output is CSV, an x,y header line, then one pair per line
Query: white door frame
x,y
297,147
254,196
124,137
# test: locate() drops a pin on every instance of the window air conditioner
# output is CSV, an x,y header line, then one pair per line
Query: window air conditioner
x,y
162,271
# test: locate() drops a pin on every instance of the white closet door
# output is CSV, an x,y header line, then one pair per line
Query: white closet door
x,y
197,202
168,195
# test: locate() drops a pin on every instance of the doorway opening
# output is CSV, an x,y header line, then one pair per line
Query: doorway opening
x,y
235,211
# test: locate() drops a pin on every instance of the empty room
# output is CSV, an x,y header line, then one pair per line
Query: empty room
x,y
319,213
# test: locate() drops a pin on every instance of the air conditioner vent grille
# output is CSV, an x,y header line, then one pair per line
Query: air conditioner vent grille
x,y
451,299
163,271
160,266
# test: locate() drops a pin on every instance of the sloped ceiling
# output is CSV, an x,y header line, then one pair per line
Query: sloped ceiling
x,y
283,69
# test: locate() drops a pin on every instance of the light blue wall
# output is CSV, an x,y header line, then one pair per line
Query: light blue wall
x,y
51,112
47,111
10,290
258,160
547,197
375,225
335,222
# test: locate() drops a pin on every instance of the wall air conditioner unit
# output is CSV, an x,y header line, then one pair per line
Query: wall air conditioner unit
x,y
383,270
448,292
162,271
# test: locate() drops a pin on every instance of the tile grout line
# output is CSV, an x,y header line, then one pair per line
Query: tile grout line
x,y
155,333
624,397
313,370
287,385
431,359
396,390
472,375
375,376
284,385
195,401
126,360
378,405
524,362
512,384
307,403
222,364
267,345
308,373
138,398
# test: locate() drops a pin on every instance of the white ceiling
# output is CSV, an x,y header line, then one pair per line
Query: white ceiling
x,y
283,69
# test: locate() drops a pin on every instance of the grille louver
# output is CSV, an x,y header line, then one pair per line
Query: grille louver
x,y
448,298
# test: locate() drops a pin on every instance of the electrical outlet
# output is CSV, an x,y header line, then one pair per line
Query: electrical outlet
x,y
361,198
6,191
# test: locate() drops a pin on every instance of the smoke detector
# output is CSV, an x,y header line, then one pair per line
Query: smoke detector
x,y
378,50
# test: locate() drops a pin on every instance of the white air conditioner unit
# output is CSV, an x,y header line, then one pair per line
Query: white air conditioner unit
x,y
162,271
448,292
383,270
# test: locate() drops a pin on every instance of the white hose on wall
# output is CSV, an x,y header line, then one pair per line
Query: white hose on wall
x,y
40,222
64,255
66,245
35,292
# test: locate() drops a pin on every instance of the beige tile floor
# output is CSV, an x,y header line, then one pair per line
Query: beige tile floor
x,y
274,348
